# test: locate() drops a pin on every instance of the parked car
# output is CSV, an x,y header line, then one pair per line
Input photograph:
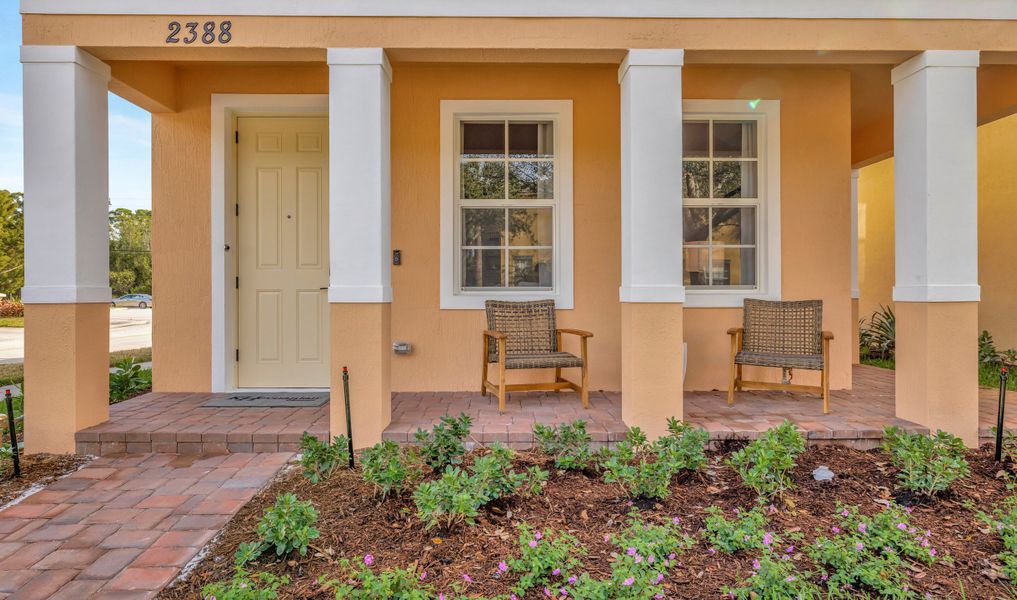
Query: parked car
x,y
134,300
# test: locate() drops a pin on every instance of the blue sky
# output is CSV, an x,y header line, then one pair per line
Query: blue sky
x,y
130,129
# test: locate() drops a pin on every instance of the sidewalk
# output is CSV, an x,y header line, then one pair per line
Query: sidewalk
x,y
124,526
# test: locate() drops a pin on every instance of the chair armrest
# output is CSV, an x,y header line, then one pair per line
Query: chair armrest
x,y
494,334
735,330
827,335
579,332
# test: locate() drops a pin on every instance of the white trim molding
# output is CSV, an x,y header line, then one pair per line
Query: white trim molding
x,y
766,113
651,176
856,292
560,113
936,177
360,182
66,137
226,108
676,9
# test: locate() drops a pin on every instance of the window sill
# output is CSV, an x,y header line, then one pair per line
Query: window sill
x,y
723,298
475,301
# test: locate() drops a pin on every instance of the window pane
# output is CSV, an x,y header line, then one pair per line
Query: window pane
x,y
734,266
483,268
696,225
696,175
733,225
530,268
696,139
531,140
734,139
483,140
531,180
531,226
483,226
696,262
734,179
483,180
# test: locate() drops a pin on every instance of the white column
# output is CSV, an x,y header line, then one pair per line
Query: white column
x,y
936,291
855,291
652,290
651,181
359,175
66,176
936,177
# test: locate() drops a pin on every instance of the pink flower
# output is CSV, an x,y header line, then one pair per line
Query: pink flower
x,y
369,559
859,546
767,539
660,577
538,535
533,543
467,578
607,538
790,578
631,551
502,567
862,528
572,579
755,564
556,572
932,551
423,575
835,529
712,550
629,581
845,513
675,520
902,526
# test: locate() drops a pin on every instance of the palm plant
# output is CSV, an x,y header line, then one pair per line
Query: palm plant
x,y
877,337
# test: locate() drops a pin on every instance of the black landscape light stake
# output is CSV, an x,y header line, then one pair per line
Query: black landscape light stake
x,y
349,422
14,432
999,417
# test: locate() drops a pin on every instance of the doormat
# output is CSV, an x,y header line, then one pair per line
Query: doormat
x,y
270,400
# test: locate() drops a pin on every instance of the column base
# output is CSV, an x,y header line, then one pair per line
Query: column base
x,y
651,347
856,353
937,366
361,336
66,373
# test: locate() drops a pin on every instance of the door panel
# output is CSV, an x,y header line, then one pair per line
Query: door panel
x,y
282,252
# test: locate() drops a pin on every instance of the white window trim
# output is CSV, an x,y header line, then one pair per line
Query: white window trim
x,y
561,110
768,228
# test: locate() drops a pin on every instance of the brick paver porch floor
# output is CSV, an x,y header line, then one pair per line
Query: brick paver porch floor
x,y
124,526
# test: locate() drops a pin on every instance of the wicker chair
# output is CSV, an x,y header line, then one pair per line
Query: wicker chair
x,y
526,337
785,335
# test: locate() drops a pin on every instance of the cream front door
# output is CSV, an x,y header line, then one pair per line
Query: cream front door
x,y
282,253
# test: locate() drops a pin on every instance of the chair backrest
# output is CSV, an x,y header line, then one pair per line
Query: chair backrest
x,y
529,327
783,327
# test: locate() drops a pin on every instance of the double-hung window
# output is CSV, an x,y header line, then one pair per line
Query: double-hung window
x,y
730,216
506,202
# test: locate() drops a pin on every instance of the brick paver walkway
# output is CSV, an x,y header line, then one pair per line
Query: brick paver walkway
x,y
123,527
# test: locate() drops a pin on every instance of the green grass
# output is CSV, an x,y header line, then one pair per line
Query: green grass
x,y
988,375
15,373
12,321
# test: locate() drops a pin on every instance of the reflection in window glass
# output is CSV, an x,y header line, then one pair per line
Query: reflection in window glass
x,y
734,139
531,180
531,226
483,268
696,179
482,180
696,139
696,225
530,268
483,226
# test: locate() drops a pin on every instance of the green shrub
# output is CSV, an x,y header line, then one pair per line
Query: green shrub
x,y
765,464
644,470
443,445
128,379
1003,522
545,558
871,553
684,448
321,459
775,576
877,338
361,583
262,586
390,468
646,552
745,531
927,464
568,443
456,497
286,526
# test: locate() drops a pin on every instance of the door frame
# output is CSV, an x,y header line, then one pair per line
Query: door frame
x,y
226,108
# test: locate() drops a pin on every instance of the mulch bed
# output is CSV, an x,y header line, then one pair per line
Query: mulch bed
x,y
36,469
353,523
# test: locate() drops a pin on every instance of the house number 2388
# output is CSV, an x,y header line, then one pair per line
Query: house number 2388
x,y
208,32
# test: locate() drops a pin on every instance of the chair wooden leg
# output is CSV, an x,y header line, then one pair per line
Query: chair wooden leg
x,y
483,375
584,393
826,377
733,372
501,375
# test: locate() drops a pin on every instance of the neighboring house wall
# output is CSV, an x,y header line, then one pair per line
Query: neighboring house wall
x,y
815,190
997,224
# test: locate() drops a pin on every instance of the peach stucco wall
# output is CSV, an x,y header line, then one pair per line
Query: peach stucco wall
x,y
997,221
815,194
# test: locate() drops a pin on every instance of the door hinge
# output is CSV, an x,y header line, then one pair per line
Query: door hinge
x,y
238,354
238,283
236,136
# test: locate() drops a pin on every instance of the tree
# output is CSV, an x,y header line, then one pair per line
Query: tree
x,y
12,243
130,251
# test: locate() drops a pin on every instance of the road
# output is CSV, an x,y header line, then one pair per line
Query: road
x,y
129,328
